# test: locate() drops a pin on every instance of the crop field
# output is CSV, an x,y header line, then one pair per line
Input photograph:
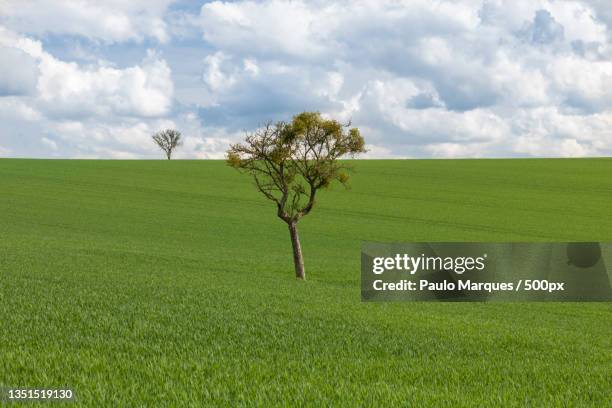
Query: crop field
x,y
167,283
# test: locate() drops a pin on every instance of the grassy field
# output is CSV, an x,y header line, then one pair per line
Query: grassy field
x,y
171,283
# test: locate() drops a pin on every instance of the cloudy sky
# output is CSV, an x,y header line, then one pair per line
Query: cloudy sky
x,y
420,78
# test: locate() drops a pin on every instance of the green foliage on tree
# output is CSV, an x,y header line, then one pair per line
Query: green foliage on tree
x,y
291,161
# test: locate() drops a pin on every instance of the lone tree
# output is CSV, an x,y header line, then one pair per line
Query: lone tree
x,y
168,140
291,161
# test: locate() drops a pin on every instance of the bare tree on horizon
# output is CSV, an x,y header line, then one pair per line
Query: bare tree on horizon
x,y
168,140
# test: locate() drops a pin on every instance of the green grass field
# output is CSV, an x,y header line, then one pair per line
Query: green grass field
x,y
171,283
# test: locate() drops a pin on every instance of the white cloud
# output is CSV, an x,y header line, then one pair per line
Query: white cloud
x,y
254,27
214,75
16,108
203,142
67,88
18,72
451,79
583,84
549,133
109,20
50,143
469,78
250,66
453,150
376,152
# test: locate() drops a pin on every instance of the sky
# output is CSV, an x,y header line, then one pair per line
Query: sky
x,y
419,78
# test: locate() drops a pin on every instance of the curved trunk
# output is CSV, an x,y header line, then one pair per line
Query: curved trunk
x,y
298,260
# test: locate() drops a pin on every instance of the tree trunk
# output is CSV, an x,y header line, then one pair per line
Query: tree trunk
x,y
298,260
168,154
